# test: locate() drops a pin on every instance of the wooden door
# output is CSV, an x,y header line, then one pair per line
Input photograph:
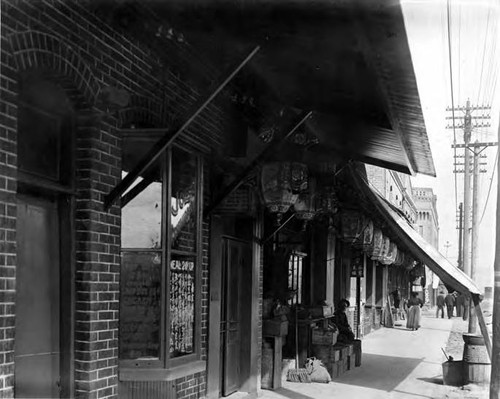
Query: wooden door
x,y
233,263
37,351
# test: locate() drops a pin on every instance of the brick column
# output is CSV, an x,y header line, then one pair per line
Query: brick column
x,y
8,188
97,261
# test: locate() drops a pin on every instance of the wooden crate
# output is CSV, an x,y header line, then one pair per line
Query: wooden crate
x,y
324,337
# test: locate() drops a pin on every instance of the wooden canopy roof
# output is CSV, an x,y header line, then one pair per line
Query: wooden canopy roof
x,y
347,61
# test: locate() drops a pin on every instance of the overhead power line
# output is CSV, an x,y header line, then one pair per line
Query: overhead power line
x,y
448,13
489,188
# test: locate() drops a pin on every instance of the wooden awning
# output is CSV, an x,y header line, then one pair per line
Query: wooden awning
x,y
419,248
347,61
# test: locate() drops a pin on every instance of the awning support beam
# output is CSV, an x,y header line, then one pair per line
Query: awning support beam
x,y
136,190
482,323
266,152
172,134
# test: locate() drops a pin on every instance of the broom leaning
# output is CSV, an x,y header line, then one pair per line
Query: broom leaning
x,y
297,374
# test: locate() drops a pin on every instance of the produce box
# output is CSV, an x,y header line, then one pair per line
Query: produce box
x,y
324,337
275,327
321,311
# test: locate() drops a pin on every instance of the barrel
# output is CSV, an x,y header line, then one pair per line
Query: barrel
x,y
476,362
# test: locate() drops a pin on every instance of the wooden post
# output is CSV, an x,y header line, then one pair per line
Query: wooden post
x,y
495,352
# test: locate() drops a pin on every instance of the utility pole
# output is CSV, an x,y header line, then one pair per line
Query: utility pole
x,y
469,257
495,351
460,236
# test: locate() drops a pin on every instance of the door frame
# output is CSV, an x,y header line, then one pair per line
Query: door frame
x,y
215,296
65,205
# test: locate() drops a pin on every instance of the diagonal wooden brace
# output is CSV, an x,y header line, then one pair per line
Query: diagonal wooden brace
x,y
482,324
170,136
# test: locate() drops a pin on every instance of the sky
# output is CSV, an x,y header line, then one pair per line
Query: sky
x,y
474,41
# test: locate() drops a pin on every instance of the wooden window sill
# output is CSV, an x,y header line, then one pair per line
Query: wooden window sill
x,y
156,374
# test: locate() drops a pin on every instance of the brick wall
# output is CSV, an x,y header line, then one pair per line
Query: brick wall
x,y
71,46
8,187
98,260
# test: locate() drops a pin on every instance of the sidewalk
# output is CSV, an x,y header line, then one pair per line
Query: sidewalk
x,y
397,363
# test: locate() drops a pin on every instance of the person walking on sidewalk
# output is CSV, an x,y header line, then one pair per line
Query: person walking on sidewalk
x,y
450,304
414,305
440,305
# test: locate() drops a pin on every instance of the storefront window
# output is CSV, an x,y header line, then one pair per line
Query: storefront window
x,y
160,275
295,276
140,316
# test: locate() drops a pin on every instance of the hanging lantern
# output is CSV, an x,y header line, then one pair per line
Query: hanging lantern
x,y
326,201
390,256
365,240
352,225
376,246
281,184
383,250
399,258
305,205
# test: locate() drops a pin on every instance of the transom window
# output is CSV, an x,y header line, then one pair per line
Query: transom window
x,y
160,303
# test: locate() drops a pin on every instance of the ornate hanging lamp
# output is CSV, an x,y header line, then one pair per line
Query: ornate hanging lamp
x,y
326,200
305,206
281,184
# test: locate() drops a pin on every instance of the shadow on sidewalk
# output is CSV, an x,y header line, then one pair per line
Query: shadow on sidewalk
x,y
287,393
433,380
380,372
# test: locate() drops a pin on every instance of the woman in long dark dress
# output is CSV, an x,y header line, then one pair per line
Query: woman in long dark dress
x,y
414,305
340,319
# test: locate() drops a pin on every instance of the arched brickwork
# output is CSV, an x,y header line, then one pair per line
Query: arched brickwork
x,y
35,50
97,232
141,110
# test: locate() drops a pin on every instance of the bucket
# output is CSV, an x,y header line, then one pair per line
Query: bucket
x,y
453,373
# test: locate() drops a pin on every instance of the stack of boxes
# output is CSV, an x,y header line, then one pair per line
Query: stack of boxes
x,y
338,358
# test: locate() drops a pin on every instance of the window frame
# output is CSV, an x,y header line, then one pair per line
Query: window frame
x,y
164,364
296,260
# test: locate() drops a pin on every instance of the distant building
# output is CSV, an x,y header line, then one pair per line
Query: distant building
x,y
428,226
427,218
394,187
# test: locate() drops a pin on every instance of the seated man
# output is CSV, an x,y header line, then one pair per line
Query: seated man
x,y
340,320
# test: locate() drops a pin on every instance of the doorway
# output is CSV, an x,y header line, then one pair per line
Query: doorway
x,y
37,351
235,303
45,274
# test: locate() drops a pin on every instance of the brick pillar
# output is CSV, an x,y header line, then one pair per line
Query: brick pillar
x,y
8,188
97,261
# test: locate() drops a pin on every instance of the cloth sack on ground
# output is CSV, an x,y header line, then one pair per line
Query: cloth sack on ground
x,y
317,371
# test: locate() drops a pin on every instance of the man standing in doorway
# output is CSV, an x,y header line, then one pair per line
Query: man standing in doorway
x,y
450,304
440,305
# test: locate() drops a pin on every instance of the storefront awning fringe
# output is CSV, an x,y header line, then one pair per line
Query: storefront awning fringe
x,y
415,243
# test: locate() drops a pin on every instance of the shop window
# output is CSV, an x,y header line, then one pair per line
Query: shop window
x,y
160,299
295,276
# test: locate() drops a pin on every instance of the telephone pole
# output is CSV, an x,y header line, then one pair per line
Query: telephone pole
x,y
460,236
467,121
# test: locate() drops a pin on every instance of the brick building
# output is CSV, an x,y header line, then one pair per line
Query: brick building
x,y
428,226
139,193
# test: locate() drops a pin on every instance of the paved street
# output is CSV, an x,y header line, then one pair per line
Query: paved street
x,y
397,363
